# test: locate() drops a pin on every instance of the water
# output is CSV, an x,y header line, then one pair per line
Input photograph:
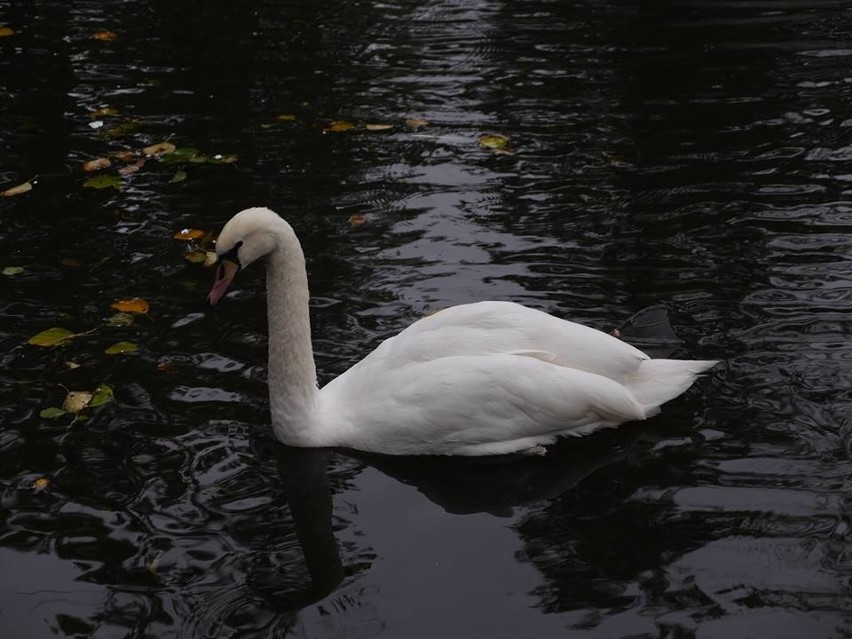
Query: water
x,y
693,153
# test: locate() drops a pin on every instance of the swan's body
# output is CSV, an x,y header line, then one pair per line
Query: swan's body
x,y
475,379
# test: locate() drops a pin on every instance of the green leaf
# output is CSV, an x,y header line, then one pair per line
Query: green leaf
x,y
103,181
179,176
180,155
494,141
121,347
120,319
13,270
103,394
51,337
51,413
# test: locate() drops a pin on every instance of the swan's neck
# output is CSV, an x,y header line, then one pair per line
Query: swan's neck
x,y
292,373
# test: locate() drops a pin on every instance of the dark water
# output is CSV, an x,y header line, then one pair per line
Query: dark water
x,y
694,153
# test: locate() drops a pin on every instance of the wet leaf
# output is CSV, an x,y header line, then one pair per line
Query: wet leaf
x,y
179,176
161,148
126,155
103,181
105,36
166,367
196,256
6,31
223,159
104,112
494,141
180,155
379,127
120,319
285,117
416,123
13,270
51,413
121,347
188,234
155,562
103,394
71,365
51,337
339,125
75,401
131,305
132,168
96,164
71,261
17,190
210,259
122,129
42,483
357,219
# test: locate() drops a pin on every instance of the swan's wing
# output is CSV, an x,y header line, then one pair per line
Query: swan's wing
x,y
490,328
470,405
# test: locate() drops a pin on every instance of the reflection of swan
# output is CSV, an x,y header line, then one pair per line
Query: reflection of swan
x,y
475,379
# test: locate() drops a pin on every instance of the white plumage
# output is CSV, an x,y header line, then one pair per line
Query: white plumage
x,y
475,379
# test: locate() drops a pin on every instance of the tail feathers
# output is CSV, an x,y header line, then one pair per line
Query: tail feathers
x,y
657,381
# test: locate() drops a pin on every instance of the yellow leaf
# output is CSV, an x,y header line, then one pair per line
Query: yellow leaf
x,y
379,127
104,112
51,337
96,164
159,149
416,123
105,36
339,125
121,347
75,401
210,259
131,305
41,483
494,141
188,234
6,31
17,190
285,117
357,219
71,365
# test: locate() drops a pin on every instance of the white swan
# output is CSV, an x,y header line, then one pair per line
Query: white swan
x,y
476,379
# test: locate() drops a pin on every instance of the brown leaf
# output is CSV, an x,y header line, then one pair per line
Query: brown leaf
x,y
132,168
161,148
105,36
103,112
416,123
357,219
379,127
188,234
339,125
6,31
96,165
131,305
41,483
126,155
17,190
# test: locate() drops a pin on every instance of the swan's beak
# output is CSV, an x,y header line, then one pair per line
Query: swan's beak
x,y
224,276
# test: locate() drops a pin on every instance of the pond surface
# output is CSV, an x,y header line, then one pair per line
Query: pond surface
x,y
691,153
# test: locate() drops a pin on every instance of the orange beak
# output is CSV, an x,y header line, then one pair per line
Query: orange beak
x,y
224,276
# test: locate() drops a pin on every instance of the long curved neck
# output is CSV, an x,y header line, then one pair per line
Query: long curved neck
x,y
292,373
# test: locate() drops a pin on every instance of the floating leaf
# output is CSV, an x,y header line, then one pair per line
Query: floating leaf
x,y
17,190
181,154
179,176
6,31
379,127
210,259
96,164
494,141
357,219
51,413
285,117
105,36
71,261
75,401
196,256
103,394
188,234
51,337
122,129
103,181
13,270
121,347
71,365
339,125
104,112
223,159
161,148
416,123
126,155
166,367
120,319
131,305
41,483
132,168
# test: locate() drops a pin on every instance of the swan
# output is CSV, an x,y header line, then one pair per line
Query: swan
x,y
485,378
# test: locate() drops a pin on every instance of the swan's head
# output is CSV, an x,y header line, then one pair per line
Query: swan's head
x,y
248,236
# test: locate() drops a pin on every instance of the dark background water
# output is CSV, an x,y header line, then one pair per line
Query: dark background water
x,y
694,153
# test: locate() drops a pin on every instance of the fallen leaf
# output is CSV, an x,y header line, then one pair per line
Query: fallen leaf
x,y
103,394
75,401
131,305
416,123
105,36
210,259
70,261
379,127
126,155
196,256
17,190
96,164
51,337
180,154
161,148
285,117
223,159
121,129
155,562
188,234
13,270
357,219
51,413
179,176
121,347
120,319
104,112
41,483
6,31
166,367
71,365
103,181
339,125
494,141
132,168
